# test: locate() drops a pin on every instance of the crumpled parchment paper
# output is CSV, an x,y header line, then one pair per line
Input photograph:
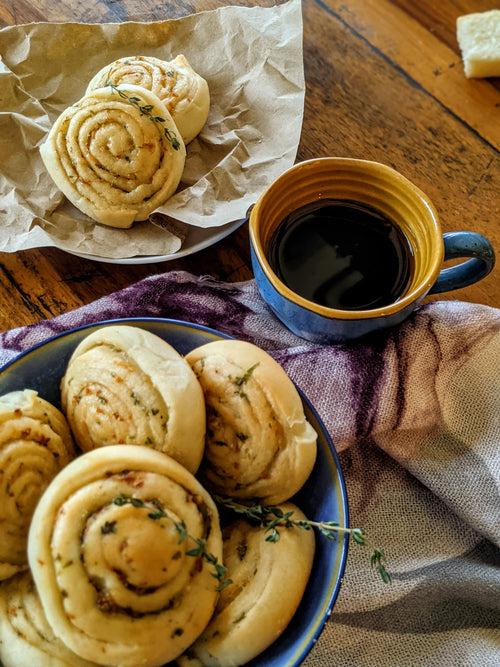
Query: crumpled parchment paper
x,y
252,60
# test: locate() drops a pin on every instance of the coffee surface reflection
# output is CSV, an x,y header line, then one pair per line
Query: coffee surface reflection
x,y
342,254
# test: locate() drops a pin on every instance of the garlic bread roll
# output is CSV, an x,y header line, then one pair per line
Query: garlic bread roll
x,y
108,550
26,638
259,443
183,91
35,443
254,610
116,154
124,385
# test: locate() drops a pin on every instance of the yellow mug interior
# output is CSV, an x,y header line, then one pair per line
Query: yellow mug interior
x,y
362,181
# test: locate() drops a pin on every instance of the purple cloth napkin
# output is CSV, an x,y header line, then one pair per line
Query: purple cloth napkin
x,y
415,415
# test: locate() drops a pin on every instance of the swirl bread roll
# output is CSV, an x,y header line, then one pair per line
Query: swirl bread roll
x,y
116,154
26,639
35,443
108,550
183,91
254,610
259,443
124,385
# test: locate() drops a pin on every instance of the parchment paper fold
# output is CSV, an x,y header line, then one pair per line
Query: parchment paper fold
x,y
252,60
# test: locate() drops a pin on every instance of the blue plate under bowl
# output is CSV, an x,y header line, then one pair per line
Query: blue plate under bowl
x,y
322,498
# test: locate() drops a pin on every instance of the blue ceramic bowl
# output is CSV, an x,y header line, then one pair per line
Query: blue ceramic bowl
x,y
322,498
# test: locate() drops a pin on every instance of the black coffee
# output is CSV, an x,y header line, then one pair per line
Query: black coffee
x,y
342,254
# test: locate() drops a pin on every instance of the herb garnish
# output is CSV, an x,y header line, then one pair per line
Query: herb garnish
x,y
123,499
200,551
146,110
243,379
241,550
108,527
135,398
240,618
272,518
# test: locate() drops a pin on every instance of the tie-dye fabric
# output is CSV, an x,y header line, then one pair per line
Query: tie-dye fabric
x,y
415,413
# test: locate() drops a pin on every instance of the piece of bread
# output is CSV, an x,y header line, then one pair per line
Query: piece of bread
x,y
108,550
124,385
478,37
26,638
35,443
269,579
116,154
183,91
259,443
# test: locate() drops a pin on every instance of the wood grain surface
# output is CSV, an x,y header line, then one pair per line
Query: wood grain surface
x,y
384,82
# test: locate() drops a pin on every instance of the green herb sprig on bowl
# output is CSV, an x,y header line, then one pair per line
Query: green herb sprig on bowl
x,y
273,518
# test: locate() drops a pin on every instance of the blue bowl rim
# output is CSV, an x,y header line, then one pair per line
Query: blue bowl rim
x,y
165,320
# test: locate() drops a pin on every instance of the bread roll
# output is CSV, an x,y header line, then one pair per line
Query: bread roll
x,y
259,443
26,639
269,579
124,385
478,36
110,562
175,83
35,443
116,154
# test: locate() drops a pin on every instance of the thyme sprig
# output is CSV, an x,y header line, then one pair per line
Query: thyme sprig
x,y
199,551
271,518
243,379
146,110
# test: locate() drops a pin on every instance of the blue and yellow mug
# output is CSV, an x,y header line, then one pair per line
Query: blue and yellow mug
x,y
395,197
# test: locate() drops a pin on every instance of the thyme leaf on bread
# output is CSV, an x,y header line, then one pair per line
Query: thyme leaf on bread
x,y
273,518
243,379
146,110
199,551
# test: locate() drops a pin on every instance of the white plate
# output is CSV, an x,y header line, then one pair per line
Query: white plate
x,y
196,240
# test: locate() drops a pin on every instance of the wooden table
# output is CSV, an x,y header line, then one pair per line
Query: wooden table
x,y
384,82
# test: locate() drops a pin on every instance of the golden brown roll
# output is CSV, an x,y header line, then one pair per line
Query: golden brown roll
x,y
35,443
259,443
108,550
116,154
183,91
26,639
269,579
124,385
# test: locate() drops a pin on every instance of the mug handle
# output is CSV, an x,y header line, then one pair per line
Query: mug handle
x,y
464,244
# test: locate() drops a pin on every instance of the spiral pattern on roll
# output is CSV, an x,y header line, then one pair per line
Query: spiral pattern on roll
x,y
124,385
109,551
240,418
254,610
26,638
35,444
175,83
258,443
116,154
